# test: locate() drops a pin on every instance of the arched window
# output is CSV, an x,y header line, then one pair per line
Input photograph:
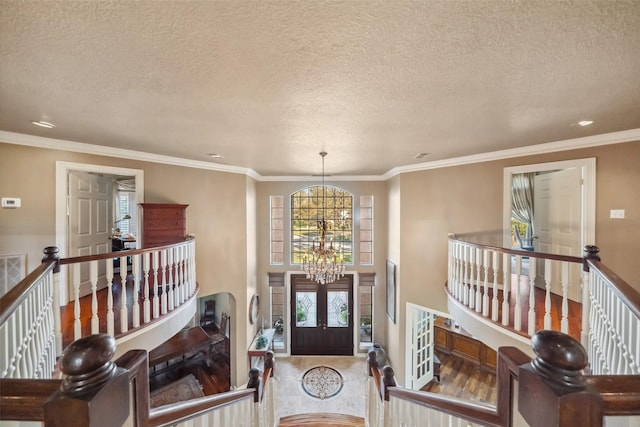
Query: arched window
x,y
312,204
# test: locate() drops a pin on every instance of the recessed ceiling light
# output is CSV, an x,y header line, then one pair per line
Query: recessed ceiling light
x,y
44,124
421,155
585,122
214,155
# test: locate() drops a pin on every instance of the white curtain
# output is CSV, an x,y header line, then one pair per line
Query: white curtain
x,y
522,201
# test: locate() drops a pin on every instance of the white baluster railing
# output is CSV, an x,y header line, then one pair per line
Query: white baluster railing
x,y
512,276
614,326
31,334
27,338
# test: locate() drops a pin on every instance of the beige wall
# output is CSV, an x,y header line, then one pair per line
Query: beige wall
x,y
217,215
413,214
468,198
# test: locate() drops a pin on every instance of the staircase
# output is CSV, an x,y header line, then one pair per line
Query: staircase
x,y
322,420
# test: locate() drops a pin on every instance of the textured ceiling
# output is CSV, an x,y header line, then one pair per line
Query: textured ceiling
x,y
269,84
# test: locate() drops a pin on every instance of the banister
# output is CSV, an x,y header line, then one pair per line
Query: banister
x,y
182,411
23,399
627,294
16,295
119,254
620,393
472,411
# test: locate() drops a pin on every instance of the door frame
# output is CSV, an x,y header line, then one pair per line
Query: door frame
x,y
287,295
62,232
587,169
408,360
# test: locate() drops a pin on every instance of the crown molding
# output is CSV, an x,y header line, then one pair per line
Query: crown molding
x,y
121,153
550,147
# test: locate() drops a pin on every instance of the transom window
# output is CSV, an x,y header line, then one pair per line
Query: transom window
x,y
312,204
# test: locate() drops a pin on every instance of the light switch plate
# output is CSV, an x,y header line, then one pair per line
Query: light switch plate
x,y
11,202
616,213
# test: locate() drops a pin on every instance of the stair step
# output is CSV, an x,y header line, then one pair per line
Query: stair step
x,y
322,420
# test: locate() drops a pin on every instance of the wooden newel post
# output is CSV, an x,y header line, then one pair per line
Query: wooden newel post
x,y
255,382
590,252
553,391
94,392
269,361
372,361
51,253
388,380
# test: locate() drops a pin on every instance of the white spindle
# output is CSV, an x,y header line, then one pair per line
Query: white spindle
x,y
135,265
93,274
157,286
506,280
110,316
164,285
532,297
57,316
517,310
77,327
124,311
478,295
171,279
586,309
471,293
485,292
147,305
564,323
494,302
548,266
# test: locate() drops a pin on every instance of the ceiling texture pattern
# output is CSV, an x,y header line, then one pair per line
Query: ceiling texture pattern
x,y
269,84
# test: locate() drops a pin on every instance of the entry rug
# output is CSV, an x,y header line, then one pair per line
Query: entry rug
x,y
184,389
322,382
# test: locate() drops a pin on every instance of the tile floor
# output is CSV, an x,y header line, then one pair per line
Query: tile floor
x,y
350,400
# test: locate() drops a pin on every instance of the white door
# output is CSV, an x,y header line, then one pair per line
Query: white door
x,y
90,220
558,221
421,369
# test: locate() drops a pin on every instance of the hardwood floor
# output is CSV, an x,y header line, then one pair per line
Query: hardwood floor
x,y
463,379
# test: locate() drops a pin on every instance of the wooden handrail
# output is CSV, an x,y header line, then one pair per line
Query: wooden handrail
x,y
23,399
182,411
119,254
620,393
627,294
476,412
567,258
509,361
16,295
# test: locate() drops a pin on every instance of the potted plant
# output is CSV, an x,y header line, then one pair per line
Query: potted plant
x,y
366,325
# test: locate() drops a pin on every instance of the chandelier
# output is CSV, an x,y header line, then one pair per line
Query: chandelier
x,y
324,263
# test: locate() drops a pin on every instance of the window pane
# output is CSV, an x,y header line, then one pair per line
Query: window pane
x,y
277,227
337,309
306,309
312,204
278,315
366,230
365,299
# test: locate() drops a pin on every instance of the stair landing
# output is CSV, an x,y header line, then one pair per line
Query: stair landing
x,y
322,420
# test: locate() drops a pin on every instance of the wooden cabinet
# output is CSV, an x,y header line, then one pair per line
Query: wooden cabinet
x,y
163,224
451,340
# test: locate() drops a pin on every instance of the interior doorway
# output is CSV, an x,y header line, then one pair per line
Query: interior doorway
x,y
583,187
322,316
64,170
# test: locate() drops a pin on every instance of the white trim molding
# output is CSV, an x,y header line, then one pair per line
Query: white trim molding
x,y
549,147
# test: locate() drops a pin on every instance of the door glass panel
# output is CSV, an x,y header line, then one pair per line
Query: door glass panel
x,y
338,309
306,309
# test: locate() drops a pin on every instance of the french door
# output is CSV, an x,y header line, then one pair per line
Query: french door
x,y
322,316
